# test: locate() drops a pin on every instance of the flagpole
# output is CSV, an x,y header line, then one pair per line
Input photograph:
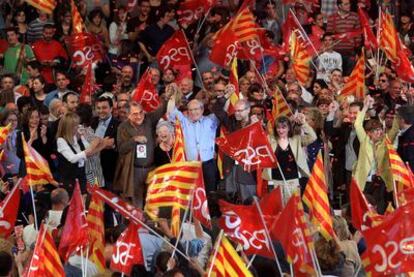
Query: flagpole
x,y
397,204
291,269
40,238
316,262
202,22
378,39
137,220
192,58
34,207
268,235
219,238
251,260
82,264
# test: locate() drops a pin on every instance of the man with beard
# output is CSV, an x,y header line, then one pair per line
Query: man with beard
x,y
127,74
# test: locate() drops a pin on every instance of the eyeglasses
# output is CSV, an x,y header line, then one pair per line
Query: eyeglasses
x,y
240,110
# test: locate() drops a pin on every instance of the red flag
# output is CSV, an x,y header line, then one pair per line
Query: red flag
x,y
287,28
145,93
127,251
225,46
249,146
192,10
403,66
75,231
390,244
363,216
174,51
85,48
8,212
370,39
128,211
200,204
88,87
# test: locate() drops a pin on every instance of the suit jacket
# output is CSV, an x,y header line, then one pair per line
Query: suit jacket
x,y
406,146
108,156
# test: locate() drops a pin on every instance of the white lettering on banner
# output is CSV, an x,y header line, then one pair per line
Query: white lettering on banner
x,y
253,46
122,254
256,239
252,155
4,223
34,264
174,54
79,57
231,52
299,242
390,250
150,98
199,204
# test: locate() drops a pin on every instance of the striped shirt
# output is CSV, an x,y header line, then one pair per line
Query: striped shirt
x,y
339,24
35,30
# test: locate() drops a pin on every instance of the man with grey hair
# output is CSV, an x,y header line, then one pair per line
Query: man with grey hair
x,y
60,199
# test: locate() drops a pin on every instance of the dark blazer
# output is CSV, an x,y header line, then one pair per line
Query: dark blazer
x,y
406,146
108,156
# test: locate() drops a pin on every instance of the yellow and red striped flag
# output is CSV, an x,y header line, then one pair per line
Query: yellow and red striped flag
x,y
399,171
96,231
4,133
280,107
37,168
225,262
316,198
77,22
220,154
234,81
356,82
388,39
178,148
244,26
45,260
300,59
46,6
171,185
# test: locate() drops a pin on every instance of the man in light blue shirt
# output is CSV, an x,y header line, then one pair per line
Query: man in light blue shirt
x,y
199,139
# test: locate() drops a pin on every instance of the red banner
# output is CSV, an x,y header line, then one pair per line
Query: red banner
x,y
249,146
174,52
85,48
145,93
225,47
8,212
200,204
192,10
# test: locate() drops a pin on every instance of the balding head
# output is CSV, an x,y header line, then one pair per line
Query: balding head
x,y
59,198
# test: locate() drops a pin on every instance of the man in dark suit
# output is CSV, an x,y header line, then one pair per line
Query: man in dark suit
x,y
105,125
406,138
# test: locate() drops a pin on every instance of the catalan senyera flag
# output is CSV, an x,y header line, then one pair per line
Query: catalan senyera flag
x,y
316,198
388,38
356,82
234,81
45,260
77,23
300,58
280,107
225,261
4,133
37,168
179,147
220,154
171,185
399,171
96,232
47,6
244,25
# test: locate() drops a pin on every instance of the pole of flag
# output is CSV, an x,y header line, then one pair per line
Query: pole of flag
x,y
202,23
268,235
397,204
34,208
219,238
251,261
378,39
194,61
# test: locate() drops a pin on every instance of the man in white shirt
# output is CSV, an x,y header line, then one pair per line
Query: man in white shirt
x,y
328,60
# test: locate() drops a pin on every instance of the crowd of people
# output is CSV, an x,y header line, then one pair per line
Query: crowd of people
x,y
113,140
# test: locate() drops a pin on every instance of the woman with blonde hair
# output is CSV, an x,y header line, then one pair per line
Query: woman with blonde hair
x,y
73,151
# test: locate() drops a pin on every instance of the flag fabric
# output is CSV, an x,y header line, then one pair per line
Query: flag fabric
x,y
403,66
45,261
145,93
96,231
225,46
46,6
249,146
174,52
300,59
127,251
295,237
171,185
85,48
88,87
75,231
388,38
399,171
356,82
77,22
389,245
234,81
179,147
370,39
225,262
200,204
4,133
244,25
220,154
9,208
280,107
128,211
193,10
316,198
37,168
363,215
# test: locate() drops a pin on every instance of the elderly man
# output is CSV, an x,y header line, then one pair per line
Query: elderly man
x,y
199,138
136,143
